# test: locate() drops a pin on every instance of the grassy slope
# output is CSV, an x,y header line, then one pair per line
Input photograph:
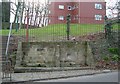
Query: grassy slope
x,y
60,30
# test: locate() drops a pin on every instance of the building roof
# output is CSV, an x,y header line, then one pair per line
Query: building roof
x,y
77,0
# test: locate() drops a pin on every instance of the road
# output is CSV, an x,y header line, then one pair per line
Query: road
x,y
105,77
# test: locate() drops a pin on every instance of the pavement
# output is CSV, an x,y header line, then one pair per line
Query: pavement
x,y
48,69
54,74
103,77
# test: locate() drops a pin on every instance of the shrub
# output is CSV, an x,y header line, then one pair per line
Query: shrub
x,y
114,50
116,58
106,58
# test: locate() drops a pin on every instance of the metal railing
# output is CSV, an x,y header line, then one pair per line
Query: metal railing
x,y
54,30
6,70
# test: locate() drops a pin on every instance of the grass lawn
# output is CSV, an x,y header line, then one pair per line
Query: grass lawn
x,y
60,30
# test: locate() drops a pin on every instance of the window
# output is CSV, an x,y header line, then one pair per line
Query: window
x,y
76,6
76,17
98,6
61,18
49,12
98,17
61,6
69,7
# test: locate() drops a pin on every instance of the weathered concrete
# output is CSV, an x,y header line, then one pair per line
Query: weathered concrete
x,y
37,76
55,54
49,69
19,54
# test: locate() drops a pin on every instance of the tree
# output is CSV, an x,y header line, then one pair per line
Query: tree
x,y
37,12
32,11
40,15
0,16
46,12
17,9
5,11
114,9
5,14
21,13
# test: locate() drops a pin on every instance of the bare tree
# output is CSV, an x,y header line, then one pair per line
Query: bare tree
x,y
40,16
46,12
21,13
36,14
32,11
27,12
113,9
17,8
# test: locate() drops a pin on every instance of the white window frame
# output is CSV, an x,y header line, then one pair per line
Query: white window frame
x,y
76,6
73,7
49,12
76,17
70,7
98,6
61,7
98,17
61,17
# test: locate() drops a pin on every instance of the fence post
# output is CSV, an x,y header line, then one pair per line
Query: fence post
x,y
108,27
68,26
27,33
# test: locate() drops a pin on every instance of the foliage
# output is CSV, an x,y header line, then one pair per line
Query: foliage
x,y
5,11
114,50
106,58
116,58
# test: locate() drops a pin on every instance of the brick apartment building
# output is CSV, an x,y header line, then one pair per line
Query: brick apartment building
x,y
81,11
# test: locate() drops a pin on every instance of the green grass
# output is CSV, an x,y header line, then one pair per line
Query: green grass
x,y
59,30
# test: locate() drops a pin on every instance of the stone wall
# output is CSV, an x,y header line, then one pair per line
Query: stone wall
x,y
55,54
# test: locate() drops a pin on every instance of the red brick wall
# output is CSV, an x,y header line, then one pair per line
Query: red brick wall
x,y
75,12
56,12
86,12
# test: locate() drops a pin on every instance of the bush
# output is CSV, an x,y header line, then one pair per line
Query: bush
x,y
106,58
116,58
114,50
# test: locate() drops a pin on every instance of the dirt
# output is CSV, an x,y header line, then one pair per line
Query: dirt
x,y
100,46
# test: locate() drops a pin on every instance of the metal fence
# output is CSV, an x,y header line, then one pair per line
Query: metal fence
x,y
54,29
